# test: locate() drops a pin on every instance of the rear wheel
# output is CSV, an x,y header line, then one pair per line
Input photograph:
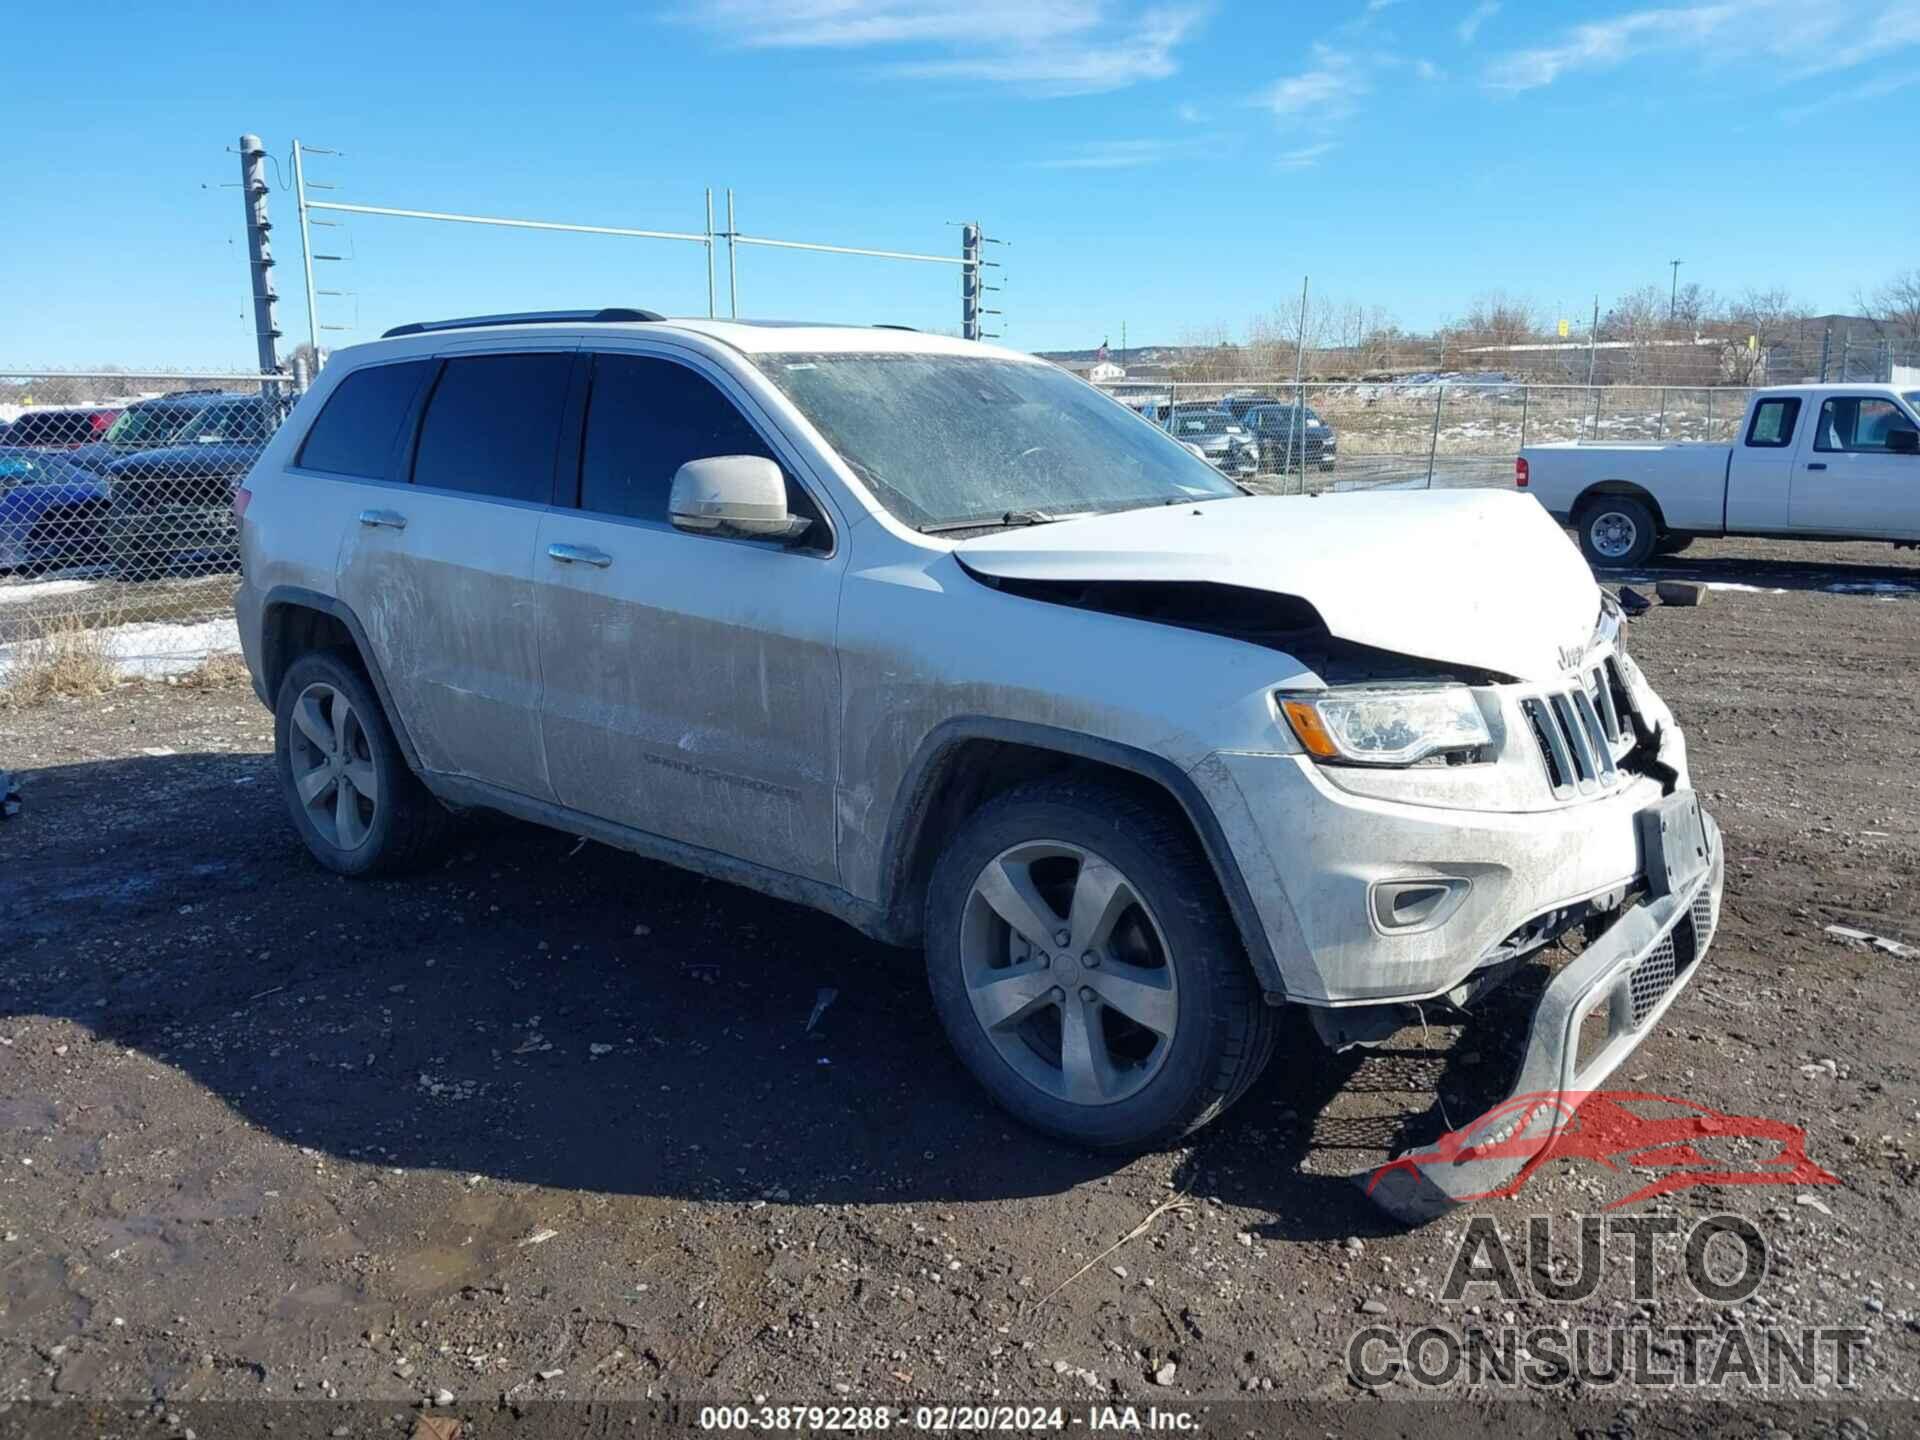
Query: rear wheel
x,y
1616,531
356,803
1086,970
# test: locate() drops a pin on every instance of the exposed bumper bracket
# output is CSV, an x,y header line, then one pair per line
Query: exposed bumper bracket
x,y
1633,972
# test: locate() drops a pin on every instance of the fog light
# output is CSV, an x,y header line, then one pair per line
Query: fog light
x,y
1407,906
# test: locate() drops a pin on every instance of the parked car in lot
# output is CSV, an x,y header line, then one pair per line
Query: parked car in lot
x,y
60,429
931,636
1816,462
1218,438
1291,436
173,464
50,510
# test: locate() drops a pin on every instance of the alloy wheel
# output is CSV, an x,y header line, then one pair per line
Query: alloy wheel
x,y
1068,972
333,770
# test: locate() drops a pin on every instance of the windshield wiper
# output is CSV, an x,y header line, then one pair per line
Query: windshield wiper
x,y
1011,518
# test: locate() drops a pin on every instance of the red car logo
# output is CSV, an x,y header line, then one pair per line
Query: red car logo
x,y
1622,1130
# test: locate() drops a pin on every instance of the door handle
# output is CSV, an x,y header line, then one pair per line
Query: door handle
x,y
581,555
1816,464
383,519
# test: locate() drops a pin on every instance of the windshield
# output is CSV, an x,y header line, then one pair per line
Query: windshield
x,y
148,425
948,439
1913,398
1212,422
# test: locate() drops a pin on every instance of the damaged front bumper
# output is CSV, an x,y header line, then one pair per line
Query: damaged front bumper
x,y
1591,1016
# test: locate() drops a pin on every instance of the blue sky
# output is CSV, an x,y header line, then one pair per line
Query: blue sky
x,y
1175,165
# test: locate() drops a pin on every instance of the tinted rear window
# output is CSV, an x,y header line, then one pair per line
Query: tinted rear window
x,y
492,424
357,431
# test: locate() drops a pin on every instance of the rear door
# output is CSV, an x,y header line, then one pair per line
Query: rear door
x,y
1845,479
691,687
438,565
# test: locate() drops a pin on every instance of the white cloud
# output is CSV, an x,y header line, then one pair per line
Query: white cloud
x,y
1304,158
1475,18
1191,114
1059,47
1426,70
1802,38
1323,94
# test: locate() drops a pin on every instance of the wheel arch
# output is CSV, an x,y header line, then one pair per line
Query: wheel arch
x,y
295,621
967,760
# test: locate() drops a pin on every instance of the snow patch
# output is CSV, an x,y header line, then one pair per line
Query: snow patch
x,y
40,590
152,648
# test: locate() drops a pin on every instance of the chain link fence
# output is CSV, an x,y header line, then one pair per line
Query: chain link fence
x,y
1291,438
116,511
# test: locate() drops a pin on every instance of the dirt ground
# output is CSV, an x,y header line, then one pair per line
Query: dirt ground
x,y
549,1120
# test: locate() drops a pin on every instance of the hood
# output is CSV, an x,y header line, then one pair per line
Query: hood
x,y
1476,578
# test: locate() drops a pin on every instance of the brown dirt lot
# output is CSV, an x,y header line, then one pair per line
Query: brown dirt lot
x,y
552,1110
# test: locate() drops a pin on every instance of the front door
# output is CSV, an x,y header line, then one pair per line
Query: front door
x,y
1847,482
691,688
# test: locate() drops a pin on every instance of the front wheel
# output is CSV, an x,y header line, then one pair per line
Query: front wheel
x,y
1616,531
1086,970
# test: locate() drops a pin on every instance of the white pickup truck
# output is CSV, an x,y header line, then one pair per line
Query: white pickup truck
x,y
1829,462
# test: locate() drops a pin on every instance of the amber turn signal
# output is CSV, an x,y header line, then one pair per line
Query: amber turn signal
x,y
1311,729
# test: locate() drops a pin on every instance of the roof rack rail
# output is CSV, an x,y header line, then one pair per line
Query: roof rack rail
x,y
612,314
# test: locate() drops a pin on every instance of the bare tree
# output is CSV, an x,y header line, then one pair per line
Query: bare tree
x,y
1757,322
1895,305
1209,354
1497,318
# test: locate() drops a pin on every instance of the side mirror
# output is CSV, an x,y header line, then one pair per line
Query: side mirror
x,y
741,495
1903,442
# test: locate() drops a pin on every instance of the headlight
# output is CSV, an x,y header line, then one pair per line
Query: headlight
x,y
1385,725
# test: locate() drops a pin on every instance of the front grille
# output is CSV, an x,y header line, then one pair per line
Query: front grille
x,y
1702,918
1583,731
1653,977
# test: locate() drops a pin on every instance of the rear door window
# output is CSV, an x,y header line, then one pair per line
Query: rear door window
x,y
492,424
646,418
1773,422
359,428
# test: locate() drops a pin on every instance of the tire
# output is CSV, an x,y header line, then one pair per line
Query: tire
x,y
1168,952
1616,531
395,828
1671,544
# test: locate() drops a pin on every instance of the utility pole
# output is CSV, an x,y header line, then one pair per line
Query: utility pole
x,y
970,281
306,250
1123,344
1673,296
253,189
973,282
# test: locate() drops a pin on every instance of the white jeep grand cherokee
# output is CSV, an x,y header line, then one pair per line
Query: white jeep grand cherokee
x,y
936,638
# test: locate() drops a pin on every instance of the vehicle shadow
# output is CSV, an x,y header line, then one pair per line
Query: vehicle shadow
x,y
545,1010
1766,574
